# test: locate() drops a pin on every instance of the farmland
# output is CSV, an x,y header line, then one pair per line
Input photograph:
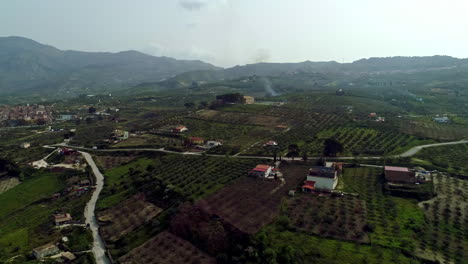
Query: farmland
x,y
338,217
446,234
193,178
166,248
451,158
126,217
249,204
26,212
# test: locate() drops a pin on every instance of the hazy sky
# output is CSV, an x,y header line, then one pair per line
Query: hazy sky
x,y
230,32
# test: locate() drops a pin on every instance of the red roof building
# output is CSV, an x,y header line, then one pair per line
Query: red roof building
x,y
179,129
261,171
399,175
196,140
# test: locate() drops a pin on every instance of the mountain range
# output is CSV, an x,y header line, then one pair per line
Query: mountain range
x,y
28,68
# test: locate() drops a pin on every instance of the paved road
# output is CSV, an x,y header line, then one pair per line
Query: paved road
x,y
408,153
415,150
99,248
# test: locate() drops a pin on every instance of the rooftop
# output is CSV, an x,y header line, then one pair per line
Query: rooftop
x,y
391,168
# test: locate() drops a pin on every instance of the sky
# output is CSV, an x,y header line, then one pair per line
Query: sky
x,y
237,32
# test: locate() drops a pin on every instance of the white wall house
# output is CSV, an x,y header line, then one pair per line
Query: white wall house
x,y
324,178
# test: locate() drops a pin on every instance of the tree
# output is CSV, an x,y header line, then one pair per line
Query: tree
x,y
332,147
293,151
189,105
91,110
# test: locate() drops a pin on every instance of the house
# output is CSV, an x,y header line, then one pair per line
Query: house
x,y
212,144
61,219
324,178
399,175
249,99
442,119
25,145
196,140
261,171
67,151
179,129
270,143
39,164
65,117
372,115
45,251
281,127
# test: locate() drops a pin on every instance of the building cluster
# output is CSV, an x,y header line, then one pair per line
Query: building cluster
x,y
53,251
201,143
30,114
376,118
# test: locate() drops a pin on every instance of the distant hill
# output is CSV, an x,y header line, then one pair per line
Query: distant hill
x,y
372,65
29,67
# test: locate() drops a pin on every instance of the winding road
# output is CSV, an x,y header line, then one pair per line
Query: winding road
x,y
407,153
99,248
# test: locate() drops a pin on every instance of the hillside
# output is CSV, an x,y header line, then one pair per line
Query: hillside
x,y
29,67
363,66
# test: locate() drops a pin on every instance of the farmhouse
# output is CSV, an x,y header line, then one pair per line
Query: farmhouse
x,y
270,143
399,175
179,129
45,251
196,140
322,178
61,219
261,171
249,99
212,144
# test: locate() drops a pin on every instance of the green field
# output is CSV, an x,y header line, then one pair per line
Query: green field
x,y
25,215
193,177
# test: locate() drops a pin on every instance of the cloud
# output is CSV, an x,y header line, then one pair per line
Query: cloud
x,y
184,53
192,5
195,5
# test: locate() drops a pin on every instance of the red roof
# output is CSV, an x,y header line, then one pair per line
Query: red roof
x,y
309,185
180,127
196,138
262,168
391,168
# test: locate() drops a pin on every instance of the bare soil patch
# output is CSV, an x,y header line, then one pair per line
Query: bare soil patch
x,y
126,217
166,248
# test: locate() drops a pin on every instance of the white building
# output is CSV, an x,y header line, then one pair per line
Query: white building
x,y
25,145
323,178
212,144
